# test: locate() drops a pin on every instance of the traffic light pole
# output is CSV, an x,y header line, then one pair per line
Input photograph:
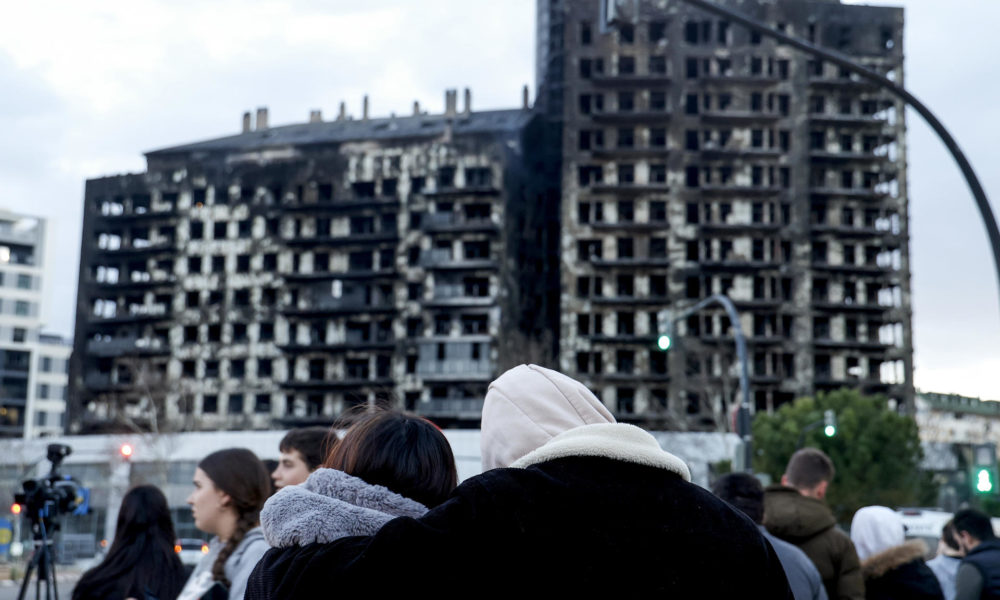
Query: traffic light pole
x,y
841,60
743,416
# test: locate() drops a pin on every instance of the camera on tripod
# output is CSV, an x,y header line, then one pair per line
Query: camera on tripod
x,y
53,495
45,500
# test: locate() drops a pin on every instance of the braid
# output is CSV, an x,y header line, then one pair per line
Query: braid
x,y
245,523
239,474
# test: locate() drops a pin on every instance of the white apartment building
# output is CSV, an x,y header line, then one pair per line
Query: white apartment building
x,y
33,365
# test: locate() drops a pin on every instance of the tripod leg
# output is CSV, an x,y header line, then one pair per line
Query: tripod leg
x,y
32,564
52,578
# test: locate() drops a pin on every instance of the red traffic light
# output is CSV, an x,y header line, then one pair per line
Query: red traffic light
x,y
126,451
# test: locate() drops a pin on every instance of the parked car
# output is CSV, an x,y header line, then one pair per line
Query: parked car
x,y
190,550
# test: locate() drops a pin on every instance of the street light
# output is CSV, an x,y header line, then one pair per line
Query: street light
x,y
828,423
984,470
665,327
666,320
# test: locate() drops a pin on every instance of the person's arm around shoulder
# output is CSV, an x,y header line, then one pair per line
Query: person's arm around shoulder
x,y
406,548
968,582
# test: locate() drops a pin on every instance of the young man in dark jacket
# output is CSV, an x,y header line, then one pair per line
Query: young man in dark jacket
x,y
744,492
588,507
795,512
979,574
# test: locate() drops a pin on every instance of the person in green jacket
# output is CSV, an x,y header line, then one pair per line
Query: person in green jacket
x,y
795,512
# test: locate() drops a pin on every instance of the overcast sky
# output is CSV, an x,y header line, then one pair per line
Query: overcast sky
x,y
86,87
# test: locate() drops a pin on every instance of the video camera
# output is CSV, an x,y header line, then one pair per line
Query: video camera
x,y
53,495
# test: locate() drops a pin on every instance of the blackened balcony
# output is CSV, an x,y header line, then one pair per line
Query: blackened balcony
x,y
632,116
352,239
139,248
449,221
457,408
727,189
329,305
357,273
604,263
469,190
136,313
859,193
341,205
736,117
126,346
850,231
630,188
138,280
441,258
630,80
339,383
867,121
455,370
459,295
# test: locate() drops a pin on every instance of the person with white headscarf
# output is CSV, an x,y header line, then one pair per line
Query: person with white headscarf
x,y
893,567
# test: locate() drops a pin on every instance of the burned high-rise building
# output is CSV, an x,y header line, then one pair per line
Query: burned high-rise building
x,y
284,274
700,158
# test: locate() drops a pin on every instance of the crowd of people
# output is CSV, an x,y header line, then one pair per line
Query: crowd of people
x,y
570,502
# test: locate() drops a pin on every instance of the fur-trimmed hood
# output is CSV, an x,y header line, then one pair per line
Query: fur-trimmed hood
x,y
618,441
879,564
330,505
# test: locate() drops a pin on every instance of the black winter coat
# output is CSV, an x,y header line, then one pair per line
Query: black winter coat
x,y
576,525
900,574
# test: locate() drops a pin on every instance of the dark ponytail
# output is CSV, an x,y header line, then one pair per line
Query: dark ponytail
x,y
244,478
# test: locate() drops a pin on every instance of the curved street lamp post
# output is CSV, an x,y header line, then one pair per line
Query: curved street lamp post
x,y
743,416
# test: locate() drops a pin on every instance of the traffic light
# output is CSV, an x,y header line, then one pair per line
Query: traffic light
x,y
15,508
829,423
984,469
665,329
125,450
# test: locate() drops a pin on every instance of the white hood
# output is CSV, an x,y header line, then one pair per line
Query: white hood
x,y
529,405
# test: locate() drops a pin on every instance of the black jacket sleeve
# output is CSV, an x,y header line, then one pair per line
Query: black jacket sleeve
x,y
404,548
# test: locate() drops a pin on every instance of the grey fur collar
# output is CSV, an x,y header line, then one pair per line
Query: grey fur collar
x,y
619,441
330,505
879,564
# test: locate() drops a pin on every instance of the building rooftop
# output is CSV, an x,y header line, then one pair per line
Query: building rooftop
x,y
960,404
347,129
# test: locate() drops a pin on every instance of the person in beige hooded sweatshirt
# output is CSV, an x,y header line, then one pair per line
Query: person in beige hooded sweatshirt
x,y
571,503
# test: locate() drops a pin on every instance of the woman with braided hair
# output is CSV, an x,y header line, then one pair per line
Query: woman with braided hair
x,y
230,487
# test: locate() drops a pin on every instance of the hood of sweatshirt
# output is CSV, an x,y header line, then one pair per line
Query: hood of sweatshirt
x,y
330,505
529,405
794,517
875,529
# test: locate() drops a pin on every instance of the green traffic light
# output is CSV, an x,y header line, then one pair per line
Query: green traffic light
x,y
983,482
663,342
830,431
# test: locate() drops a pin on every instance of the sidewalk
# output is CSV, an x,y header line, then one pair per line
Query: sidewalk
x,y
63,573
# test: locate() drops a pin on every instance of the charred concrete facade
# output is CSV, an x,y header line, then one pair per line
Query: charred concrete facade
x,y
698,159
283,275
